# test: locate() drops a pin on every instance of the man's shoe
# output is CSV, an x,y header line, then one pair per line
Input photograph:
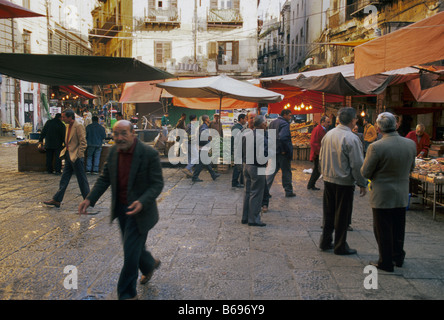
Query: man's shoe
x,y
346,252
239,185
52,203
290,195
384,268
147,277
244,221
260,224
215,176
326,247
313,188
196,180
399,263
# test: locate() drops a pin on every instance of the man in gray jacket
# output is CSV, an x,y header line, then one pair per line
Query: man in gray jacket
x,y
340,159
388,164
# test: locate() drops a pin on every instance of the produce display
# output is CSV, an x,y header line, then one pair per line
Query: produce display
x,y
299,135
432,169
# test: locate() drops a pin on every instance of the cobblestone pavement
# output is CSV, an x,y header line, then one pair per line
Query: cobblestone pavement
x,y
206,252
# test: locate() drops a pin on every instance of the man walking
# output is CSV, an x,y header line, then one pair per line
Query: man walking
x,y
237,178
54,135
389,189
192,152
134,172
315,142
340,161
198,167
284,152
255,143
95,134
73,153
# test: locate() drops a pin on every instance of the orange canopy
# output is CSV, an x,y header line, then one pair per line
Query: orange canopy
x,y
419,43
212,103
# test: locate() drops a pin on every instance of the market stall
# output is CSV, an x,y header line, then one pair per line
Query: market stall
x,y
427,181
31,159
300,138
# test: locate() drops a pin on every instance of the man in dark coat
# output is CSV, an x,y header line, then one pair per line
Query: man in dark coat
x,y
284,152
134,172
54,135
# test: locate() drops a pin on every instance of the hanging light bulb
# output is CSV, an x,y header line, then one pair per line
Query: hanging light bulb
x,y
363,113
302,106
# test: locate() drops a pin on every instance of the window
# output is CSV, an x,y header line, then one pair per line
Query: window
x,y
225,4
162,52
162,4
27,4
26,41
228,52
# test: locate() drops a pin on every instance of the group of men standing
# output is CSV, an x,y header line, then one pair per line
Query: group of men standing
x,y
338,154
134,173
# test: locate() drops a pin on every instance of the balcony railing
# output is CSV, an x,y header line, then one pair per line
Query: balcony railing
x,y
108,28
224,17
163,17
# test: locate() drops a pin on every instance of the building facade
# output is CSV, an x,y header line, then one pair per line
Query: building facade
x,y
63,30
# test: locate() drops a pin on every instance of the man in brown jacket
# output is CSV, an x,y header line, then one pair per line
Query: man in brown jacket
x,y
74,153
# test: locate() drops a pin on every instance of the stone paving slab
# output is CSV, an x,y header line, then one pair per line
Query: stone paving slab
x,y
206,253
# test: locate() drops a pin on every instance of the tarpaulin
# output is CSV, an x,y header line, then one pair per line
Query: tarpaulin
x,y
419,43
54,69
140,92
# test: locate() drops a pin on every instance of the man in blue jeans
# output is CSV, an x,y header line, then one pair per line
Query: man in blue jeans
x,y
95,134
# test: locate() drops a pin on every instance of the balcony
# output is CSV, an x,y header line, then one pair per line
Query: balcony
x,y
357,8
108,27
225,18
162,19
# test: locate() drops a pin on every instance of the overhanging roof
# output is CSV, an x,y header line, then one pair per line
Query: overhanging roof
x,y
78,91
77,70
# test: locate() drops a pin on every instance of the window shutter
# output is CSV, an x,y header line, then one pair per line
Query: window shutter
x,y
212,50
235,58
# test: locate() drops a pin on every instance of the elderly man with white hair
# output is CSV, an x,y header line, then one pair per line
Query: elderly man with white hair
x,y
388,164
421,139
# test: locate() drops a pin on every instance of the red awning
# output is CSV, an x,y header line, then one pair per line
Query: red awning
x,y
140,92
78,91
11,10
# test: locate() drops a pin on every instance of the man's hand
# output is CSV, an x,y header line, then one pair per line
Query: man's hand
x,y
83,206
363,191
134,208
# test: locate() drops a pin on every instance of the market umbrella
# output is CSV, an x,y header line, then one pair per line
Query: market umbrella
x,y
220,87
419,43
11,10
